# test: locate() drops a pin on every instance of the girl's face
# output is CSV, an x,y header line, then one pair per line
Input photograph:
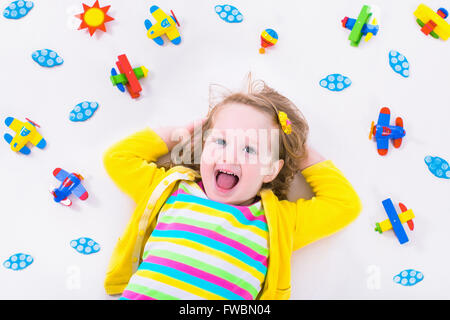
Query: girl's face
x,y
237,155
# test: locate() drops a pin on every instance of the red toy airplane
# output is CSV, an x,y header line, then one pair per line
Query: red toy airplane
x,y
128,76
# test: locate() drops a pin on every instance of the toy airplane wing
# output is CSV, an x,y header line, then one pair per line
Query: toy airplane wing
x,y
80,192
150,33
159,15
382,145
395,221
174,35
385,117
14,124
60,174
38,140
133,84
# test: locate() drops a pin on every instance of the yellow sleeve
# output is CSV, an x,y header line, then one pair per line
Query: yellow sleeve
x,y
335,204
131,162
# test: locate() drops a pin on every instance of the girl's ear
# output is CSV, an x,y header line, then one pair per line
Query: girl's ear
x,y
275,168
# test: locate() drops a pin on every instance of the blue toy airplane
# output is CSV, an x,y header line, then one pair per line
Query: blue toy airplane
x,y
165,24
71,183
382,131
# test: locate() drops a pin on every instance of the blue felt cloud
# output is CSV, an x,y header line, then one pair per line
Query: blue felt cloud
x,y
438,166
399,63
335,82
18,9
229,13
18,261
47,58
85,245
83,111
408,277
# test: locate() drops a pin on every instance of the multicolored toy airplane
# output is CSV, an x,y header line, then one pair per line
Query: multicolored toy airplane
x,y
395,221
70,183
360,27
165,24
128,76
382,131
433,22
25,132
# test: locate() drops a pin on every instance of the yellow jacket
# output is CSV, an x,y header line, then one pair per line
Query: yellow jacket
x,y
292,225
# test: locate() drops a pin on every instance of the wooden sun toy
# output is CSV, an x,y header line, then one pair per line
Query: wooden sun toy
x,y
94,18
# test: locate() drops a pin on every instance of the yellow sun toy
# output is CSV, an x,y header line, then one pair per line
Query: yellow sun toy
x,y
94,18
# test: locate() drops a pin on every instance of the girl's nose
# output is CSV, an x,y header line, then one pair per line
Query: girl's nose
x,y
230,154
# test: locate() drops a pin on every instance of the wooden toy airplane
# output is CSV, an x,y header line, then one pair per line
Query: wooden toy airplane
x,y
128,76
165,24
395,221
382,131
433,22
360,27
70,183
25,132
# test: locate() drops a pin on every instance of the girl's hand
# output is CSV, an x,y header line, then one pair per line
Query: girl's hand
x,y
174,135
198,123
312,157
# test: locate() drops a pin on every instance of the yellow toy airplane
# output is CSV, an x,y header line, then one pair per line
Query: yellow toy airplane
x,y
395,220
25,132
165,24
433,22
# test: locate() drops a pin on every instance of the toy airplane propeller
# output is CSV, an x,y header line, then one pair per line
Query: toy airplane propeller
x,y
382,131
70,183
25,132
361,27
395,221
128,76
165,24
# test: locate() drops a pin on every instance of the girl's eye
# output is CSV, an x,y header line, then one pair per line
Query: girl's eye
x,y
249,150
220,142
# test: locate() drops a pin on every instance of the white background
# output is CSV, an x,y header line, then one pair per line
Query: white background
x,y
355,263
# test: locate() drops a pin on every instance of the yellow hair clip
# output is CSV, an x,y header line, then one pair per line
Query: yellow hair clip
x,y
285,122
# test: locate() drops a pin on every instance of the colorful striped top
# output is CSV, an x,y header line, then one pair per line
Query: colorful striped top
x,y
202,249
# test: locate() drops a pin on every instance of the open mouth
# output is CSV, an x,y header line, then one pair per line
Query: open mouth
x,y
226,180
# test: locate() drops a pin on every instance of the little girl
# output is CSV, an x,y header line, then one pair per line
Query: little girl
x,y
220,225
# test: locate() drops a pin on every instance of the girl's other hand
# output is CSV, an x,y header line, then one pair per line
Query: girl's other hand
x,y
175,134
312,157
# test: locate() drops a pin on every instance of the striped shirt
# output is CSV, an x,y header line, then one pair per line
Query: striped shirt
x,y
202,249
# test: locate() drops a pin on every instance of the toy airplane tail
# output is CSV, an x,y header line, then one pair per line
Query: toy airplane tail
x,y
373,30
148,24
409,222
398,142
65,202
373,26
